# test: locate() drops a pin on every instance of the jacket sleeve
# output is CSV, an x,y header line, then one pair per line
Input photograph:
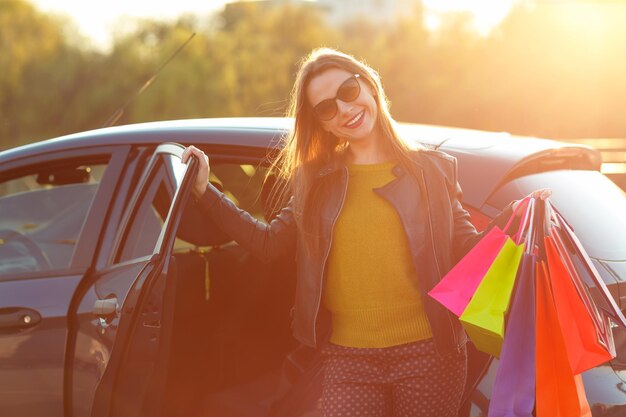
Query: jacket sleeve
x,y
465,234
267,242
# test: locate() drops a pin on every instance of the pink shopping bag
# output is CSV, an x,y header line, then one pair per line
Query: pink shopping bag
x,y
457,287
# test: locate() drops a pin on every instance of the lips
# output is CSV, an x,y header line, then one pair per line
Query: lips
x,y
355,121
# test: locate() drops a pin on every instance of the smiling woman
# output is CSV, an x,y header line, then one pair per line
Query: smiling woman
x,y
361,205
351,114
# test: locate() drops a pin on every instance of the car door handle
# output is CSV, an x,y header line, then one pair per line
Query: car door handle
x,y
18,318
105,308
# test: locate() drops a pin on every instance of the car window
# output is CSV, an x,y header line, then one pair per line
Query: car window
x,y
592,204
152,209
244,184
42,211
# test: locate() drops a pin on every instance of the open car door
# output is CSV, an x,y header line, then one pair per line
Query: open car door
x,y
134,298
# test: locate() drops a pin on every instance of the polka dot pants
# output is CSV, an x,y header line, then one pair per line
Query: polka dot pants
x,y
410,380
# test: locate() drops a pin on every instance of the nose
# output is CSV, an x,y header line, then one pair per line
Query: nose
x,y
343,107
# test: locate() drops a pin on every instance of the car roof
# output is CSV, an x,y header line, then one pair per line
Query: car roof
x,y
503,155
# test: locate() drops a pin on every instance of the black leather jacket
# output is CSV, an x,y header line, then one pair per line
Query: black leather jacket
x,y
439,234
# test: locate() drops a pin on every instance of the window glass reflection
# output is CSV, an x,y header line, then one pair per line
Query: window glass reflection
x,y
151,213
42,215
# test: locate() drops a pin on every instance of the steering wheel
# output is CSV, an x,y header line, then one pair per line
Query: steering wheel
x,y
31,246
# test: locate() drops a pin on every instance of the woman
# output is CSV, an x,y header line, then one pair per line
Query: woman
x,y
374,225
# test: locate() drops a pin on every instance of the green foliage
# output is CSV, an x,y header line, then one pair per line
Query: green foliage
x,y
548,70
31,45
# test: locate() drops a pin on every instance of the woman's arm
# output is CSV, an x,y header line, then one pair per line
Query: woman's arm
x,y
465,232
265,241
465,235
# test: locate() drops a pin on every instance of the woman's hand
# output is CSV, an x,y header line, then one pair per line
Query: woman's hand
x,y
542,193
202,179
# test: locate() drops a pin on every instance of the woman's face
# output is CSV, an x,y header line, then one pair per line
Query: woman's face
x,y
354,120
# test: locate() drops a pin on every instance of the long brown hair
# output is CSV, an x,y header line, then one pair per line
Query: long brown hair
x,y
308,147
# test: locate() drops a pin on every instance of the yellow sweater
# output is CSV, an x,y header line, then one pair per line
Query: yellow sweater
x,y
371,288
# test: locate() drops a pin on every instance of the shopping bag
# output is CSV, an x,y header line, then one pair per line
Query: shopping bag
x,y
457,287
584,349
559,393
602,325
514,387
483,318
585,267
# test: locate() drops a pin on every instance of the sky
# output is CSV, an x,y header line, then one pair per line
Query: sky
x,y
98,20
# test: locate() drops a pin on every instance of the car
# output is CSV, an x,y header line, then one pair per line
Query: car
x,y
118,298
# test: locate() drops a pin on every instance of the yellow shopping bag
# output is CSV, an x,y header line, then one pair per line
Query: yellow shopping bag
x,y
483,318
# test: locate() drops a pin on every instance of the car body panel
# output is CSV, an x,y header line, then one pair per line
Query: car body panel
x,y
32,359
95,336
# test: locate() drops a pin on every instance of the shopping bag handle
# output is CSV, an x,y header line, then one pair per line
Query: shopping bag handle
x,y
529,236
551,218
541,228
524,223
534,226
522,203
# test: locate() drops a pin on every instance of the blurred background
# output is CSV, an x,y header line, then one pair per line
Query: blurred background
x,y
551,68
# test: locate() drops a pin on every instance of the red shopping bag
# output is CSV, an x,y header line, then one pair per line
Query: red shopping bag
x,y
604,333
559,393
584,349
458,286
585,267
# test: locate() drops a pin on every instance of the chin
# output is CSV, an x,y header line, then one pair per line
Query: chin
x,y
364,132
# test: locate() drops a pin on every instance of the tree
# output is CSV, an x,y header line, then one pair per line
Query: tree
x,y
556,70
34,57
264,45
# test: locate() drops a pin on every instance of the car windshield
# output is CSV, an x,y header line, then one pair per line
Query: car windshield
x,y
591,203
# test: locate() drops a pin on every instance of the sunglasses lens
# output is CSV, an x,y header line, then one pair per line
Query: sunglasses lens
x,y
349,90
326,110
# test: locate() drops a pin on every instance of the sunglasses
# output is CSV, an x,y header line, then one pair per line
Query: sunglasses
x,y
348,91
